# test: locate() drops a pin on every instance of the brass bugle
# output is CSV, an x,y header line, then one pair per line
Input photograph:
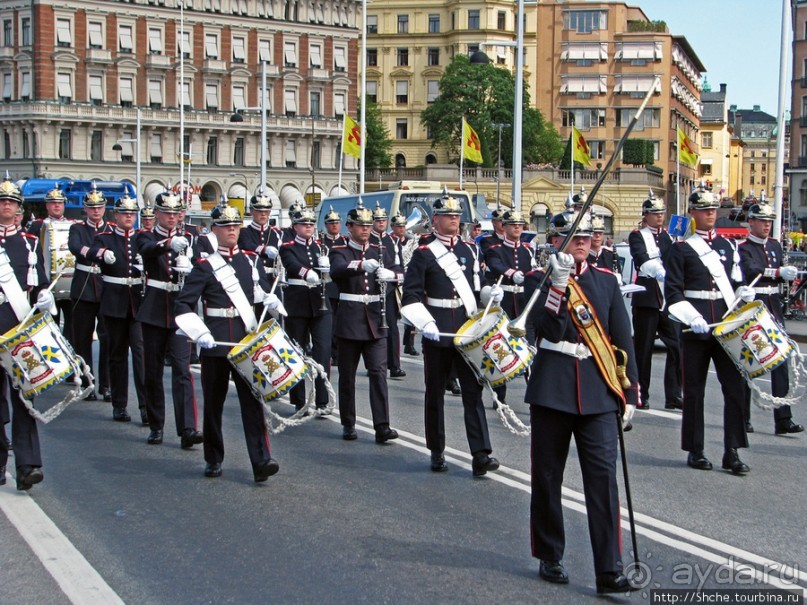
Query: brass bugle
x,y
518,326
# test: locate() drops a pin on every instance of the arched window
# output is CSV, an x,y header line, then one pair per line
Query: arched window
x,y
400,160
431,158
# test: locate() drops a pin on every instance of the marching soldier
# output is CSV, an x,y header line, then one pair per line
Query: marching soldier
x,y
401,241
116,254
166,253
575,390
85,290
762,255
309,314
332,237
147,218
440,294
260,237
497,237
361,280
650,248
703,280
21,279
601,256
228,316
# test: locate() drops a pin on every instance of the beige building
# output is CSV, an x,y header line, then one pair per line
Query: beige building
x,y
757,130
714,167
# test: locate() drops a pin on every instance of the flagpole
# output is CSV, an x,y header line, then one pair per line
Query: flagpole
x,y
778,188
342,151
462,148
571,160
363,117
677,172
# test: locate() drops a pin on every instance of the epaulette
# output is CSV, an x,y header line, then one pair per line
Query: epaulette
x,y
374,245
112,223
423,247
495,246
105,233
289,243
31,235
603,269
249,252
338,246
636,230
203,260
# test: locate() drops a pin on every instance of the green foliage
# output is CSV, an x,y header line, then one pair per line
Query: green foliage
x,y
566,160
647,26
378,150
638,152
484,94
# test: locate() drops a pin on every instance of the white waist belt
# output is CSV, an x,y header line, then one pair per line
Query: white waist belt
x,y
573,349
88,268
301,282
228,312
163,285
444,303
362,298
123,281
767,290
514,289
703,294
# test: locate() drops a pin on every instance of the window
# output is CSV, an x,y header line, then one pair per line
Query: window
x,y
315,104
339,104
401,128
25,26
6,145
184,47
26,145
403,57
434,24
339,58
402,92
238,152
265,51
213,151
239,49
184,95
126,88
211,97
403,24
96,90
63,35
8,33
291,154
706,140
762,181
372,24
584,118
637,52
239,97
155,94
211,46
65,146
127,148
372,57
473,19
64,88
585,22
316,155
432,90
96,146
156,148
25,87
372,91
290,54
7,88
315,55
290,102
501,20
649,119
764,167
95,34
584,86
155,41
125,43
433,56
597,149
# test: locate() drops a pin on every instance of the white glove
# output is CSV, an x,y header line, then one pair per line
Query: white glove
x,y
178,244
496,294
383,274
534,244
183,265
746,293
109,257
324,264
369,265
630,410
45,301
661,274
271,301
311,277
431,332
561,264
270,252
206,341
518,277
788,273
699,326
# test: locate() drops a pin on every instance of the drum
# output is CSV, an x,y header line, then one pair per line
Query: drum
x,y
269,361
753,339
58,258
37,356
494,354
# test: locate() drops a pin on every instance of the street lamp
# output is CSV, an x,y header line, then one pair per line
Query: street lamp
x,y
246,186
118,147
499,162
237,117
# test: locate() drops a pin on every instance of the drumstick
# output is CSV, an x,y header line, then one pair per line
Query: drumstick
x,y
738,300
717,323
222,343
265,308
490,300
33,307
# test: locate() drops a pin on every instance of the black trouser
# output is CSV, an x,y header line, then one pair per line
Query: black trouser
x,y
157,342
374,353
647,322
24,433
696,355
393,335
437,363
408,336
85,315
125,334
780,385
318,329
595,437
334,340
216,374
64,311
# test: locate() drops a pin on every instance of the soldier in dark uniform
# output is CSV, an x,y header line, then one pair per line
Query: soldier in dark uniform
x,y
85,290
361,279
147,218
761,255
600,255
259,236
227,318
187,227
570,395
440,294
309,314
116,254
166,253
699,296
650,247
497,237
26,281
401,241
332,237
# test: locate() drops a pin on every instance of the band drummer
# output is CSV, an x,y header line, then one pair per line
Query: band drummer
x,y
228,316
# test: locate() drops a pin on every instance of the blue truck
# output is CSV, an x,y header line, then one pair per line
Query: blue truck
x,y
35,190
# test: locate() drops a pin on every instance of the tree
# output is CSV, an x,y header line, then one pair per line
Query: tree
x,y
484,94
378,148
638,152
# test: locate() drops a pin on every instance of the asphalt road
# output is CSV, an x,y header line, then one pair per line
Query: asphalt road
x,y
365,523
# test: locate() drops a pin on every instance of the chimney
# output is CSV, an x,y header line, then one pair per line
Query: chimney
x,y
732,108
723,88
756,108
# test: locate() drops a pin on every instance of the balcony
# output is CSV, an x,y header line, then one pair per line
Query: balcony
x,y
319,74
98,55
214,66
159,62
6,52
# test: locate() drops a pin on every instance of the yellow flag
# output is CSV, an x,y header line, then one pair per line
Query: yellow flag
x,y
686,154
581,152
351,137
472,147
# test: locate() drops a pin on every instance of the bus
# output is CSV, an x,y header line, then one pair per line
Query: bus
x,y
402,196
35,190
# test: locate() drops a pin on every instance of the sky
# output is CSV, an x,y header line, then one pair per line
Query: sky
x,y
737,40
